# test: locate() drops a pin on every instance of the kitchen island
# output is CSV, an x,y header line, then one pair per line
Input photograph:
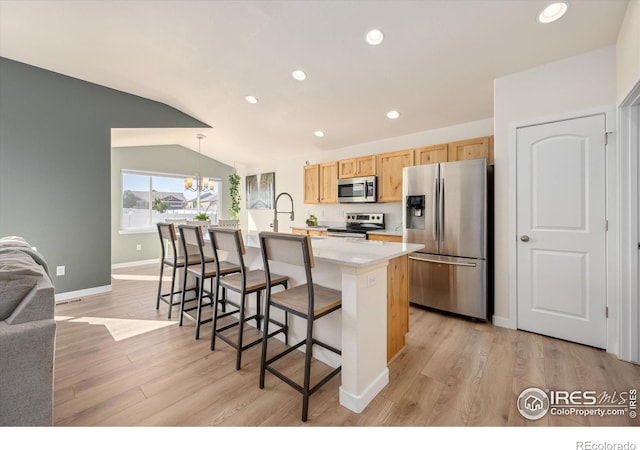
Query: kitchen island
x,y
359,269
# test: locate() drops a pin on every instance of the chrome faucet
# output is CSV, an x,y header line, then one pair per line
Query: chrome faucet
x,y
276,212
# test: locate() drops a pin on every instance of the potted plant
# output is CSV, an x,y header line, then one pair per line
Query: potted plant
x,y
201,219
234,191
312,221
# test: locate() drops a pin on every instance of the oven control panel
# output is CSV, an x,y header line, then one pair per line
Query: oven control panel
x,y
364,218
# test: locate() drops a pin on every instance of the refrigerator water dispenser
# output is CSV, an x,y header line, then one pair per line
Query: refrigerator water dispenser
x,y
415,211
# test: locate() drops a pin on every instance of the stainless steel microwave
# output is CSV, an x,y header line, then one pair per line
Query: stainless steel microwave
x,y
357,190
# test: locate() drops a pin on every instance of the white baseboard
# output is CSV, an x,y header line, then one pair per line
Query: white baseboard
x,y
357,403
135,263
64,296
504,322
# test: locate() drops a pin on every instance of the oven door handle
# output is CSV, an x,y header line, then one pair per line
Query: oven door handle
x,y
347,235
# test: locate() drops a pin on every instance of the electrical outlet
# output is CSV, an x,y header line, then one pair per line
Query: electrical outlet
x,y
60,270
371,280
138,247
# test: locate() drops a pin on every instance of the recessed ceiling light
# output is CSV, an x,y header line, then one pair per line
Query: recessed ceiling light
x,y
299,74
251,99
552,12
393,114
374,37
319,133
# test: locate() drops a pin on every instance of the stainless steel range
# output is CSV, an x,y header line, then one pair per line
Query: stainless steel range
x,y
357,225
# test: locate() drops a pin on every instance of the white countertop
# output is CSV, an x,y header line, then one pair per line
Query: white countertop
x,y
348,252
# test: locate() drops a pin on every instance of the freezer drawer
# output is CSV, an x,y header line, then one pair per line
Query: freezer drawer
x,y
457,285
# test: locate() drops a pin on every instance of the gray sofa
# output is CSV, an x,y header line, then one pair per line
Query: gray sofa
x,y
27,336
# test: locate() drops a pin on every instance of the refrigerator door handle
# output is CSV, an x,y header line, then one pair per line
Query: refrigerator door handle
x,y
441,210
449,263
434,211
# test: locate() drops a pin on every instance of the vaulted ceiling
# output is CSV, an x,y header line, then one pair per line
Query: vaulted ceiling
x,y
436,65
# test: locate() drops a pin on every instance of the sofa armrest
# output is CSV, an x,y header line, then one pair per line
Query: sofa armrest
x,y
38,304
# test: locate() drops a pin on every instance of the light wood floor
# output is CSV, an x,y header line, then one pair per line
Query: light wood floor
x,y
452,372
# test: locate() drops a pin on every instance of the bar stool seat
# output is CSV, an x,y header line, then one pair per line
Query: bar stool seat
x,y
296,300
309,301
245,282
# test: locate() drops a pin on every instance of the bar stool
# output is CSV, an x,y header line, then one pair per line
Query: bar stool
x,y
245,282
207,268
308,301
167,232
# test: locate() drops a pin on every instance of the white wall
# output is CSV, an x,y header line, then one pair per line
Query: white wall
x,y
572,85
628,51
289,177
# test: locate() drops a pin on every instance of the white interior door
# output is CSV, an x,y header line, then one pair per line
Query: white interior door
x,y
561,229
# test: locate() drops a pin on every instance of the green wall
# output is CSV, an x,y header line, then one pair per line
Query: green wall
x,y
173,159
55,178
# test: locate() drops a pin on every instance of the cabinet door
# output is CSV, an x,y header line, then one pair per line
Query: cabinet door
x,y
384,237
312,183
347,168
366,166
431,154
397,304
329,182
390,167
469,149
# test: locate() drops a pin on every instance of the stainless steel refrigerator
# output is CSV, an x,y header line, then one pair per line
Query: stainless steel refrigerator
x,y
445,207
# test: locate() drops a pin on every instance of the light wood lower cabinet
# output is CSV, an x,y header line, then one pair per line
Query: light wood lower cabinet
x,y
397,297
384,237
397,304
309,232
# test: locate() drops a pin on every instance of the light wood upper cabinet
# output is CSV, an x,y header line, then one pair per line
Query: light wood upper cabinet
x,y
471,149
431,154
390,167
312,183
357,167
329,182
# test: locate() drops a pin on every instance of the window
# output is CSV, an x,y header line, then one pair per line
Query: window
x,y
149,198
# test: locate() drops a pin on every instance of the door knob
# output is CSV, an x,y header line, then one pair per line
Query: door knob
x,y
524,238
